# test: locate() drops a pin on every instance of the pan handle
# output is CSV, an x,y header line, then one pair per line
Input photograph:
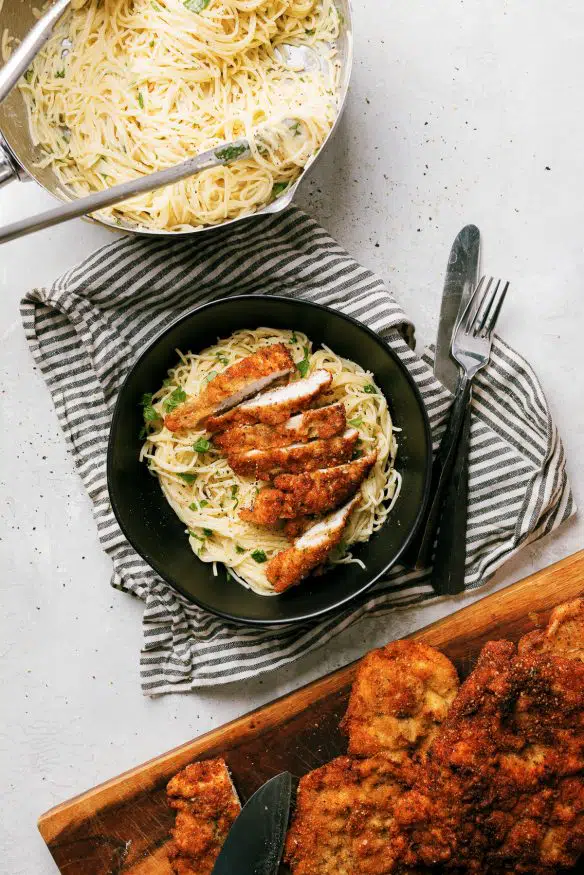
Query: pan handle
x,y
10,169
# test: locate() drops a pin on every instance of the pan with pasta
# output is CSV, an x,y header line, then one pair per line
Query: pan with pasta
x,y
277,456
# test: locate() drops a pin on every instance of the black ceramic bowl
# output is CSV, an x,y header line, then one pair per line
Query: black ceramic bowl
x,y
151,526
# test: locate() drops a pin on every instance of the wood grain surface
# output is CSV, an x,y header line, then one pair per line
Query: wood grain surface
x,y
122,826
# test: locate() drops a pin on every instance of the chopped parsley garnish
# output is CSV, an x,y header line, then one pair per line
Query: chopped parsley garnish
x,y
175,398
150,414
210,376
310,32
278,188
234,491
259,556
296,129
356,454
29,75
203,502
293,339
303,365
222,358
140,100
370,389
356,422
194,535
202,445
193,505
239,549
208,532
60,74
151,43
230,153
196,5
188,478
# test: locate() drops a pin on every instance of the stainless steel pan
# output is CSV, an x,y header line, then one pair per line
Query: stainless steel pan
x,y
19,157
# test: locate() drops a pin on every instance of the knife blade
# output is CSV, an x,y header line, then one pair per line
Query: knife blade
x,y
461,278
462,275
255,842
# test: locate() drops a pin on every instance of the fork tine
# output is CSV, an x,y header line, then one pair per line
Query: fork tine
x,y
486,305
468,316
494,312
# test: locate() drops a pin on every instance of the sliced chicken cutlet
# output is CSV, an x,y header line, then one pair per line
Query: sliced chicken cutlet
x,y
323,422
343,822
563,636
277,405
264,464
315,492
206,804
234,384
400,696
291,566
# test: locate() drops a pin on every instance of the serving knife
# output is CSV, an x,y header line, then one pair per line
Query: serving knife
x,y
256,840
461,278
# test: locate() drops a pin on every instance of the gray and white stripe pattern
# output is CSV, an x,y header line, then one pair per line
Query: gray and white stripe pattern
x,y
87,329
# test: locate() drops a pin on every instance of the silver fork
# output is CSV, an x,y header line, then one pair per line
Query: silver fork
x,y
471,347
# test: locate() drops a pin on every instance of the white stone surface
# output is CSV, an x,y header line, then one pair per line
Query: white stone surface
x,y
459,111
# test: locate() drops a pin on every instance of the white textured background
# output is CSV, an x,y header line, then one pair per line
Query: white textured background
x,y
459,111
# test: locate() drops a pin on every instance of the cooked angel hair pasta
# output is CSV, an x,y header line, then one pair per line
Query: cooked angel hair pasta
x,y
205,492
127,87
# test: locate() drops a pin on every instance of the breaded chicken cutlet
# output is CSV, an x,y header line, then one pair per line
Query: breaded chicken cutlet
x,y
311,550
400,696
237,382
206,804
308,493
264,464
322,422
564,633
277,405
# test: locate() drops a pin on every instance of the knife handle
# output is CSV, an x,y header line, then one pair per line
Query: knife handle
x,y
442,471
450,554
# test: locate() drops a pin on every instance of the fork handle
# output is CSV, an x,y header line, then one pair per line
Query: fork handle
x,y
442,470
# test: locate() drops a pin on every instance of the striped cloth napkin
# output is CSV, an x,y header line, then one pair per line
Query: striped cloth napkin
x,y
87,329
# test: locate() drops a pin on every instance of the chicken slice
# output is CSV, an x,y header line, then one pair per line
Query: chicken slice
x,y
564,635
274,407
206,804
400,696
291,566
314,492
323,422
263,464
234,384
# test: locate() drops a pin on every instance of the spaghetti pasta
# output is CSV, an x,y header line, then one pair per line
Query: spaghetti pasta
x,y
127,87
207,495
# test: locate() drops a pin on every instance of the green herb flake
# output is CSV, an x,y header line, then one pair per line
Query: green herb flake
x,y
357,454
60,74
210,376
239,549
29,75
310,32
188,478
194,535
175,398
193,506
234,491
356,422
370,389
196,5
208,533
150,414
293,339
259,556
151,43
222,359
278,188
304,364
230,153
202,445
296,129
140,100
203,502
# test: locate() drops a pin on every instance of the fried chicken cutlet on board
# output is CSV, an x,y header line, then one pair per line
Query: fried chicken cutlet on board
x,y
234,384
206,804
295,495
564,634
277,405
296,458
400,696
322,422
291,566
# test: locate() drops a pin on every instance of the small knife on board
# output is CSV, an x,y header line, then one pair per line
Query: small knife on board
x,y
461,278
256,840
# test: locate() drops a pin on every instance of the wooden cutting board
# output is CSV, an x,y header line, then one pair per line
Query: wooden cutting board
x,y
122,826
